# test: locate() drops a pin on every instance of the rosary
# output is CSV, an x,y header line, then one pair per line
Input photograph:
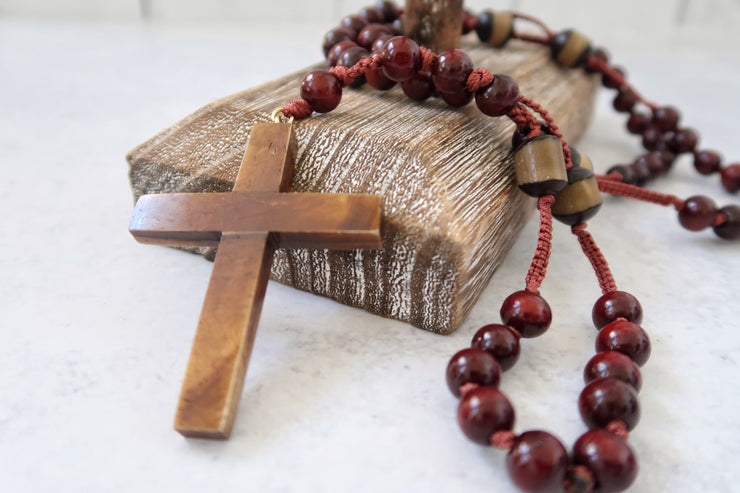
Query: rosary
x,y
368,48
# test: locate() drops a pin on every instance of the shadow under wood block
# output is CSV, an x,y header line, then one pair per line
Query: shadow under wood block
x,y
451,209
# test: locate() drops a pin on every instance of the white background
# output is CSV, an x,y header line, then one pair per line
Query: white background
x,y
95,329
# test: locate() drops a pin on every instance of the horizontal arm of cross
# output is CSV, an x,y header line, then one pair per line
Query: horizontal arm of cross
x,y
296,220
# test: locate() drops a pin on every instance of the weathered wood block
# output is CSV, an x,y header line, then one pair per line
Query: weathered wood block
x,y
451,209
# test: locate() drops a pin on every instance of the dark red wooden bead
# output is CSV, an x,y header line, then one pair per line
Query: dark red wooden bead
x,y
419,87
472,366
698,212
371,33
537,462
377,79
397,26
666,118
606,400
499,97
731,177
349,58
637,123
641,172
684,140
611,82
611,364
707,162
354,23
457,99
730,228
322,90
627,338
337,35
484,411
614,305
450,74
401,58
651,138
609,459
668,157
625,100
336,51
654,162
526,312
372,15
499,341
628,174
379,43
598,54
389,9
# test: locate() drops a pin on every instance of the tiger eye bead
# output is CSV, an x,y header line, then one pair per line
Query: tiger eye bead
x,y
570,49
580,200
495,29
540,166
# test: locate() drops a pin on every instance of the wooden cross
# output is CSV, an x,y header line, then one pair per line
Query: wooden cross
x,y
247,225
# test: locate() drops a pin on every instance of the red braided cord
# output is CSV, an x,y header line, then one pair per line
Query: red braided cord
x,y
529,38
429,59
525,122
478,78
503,439
538,267
618,428
297,109
534,20
554,129
599,65
612,184
594,255
347,75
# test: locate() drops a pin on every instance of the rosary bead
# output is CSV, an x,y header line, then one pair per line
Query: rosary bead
x,y
499,341
665,118
707,162
450,74
580,200
614,305
337,35
354,22
612,364
401,58
389,9
322,90
526,312
419,87
637,123
628,175
379,43
731,177
484,411
606,400
609,459
641,172
654,162
651,138
371,33
599,54
698,212
372,15
349,58
499,97
495,29
730,229
668,158
627,338
472,366
377,79
537,462
570,49
540,166
336,51
625,100
684,140
457,99
610,82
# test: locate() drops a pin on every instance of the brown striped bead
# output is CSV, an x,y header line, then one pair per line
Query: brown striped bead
x,y
495,29
570,49
540,166
581,199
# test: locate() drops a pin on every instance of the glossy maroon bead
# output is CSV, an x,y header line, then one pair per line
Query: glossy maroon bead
x,y
484,411
641,172
611,82
372,15
606,400
457,99
377,79
628,175
730,228
419,87
614,305
609,459
499,341
498,97
668,158
472,366
698,212
625,100
683,140
537,462
707,162
322,90
611,364
731,177
401,58
651,138
379,43
397,26
337,35
627,338
371,33
450,73
637,123
527,312
354,22
336,50
654,162
349,58
598,54
389,9
666,118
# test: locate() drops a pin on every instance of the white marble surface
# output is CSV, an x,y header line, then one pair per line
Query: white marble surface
x,y
95,329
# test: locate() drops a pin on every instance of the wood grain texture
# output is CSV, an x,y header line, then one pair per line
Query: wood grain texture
x,y
451,209
434,23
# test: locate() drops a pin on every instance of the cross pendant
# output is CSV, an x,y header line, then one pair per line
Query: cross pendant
x,y
246,225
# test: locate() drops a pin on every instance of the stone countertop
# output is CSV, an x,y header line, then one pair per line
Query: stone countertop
x,y
96,329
